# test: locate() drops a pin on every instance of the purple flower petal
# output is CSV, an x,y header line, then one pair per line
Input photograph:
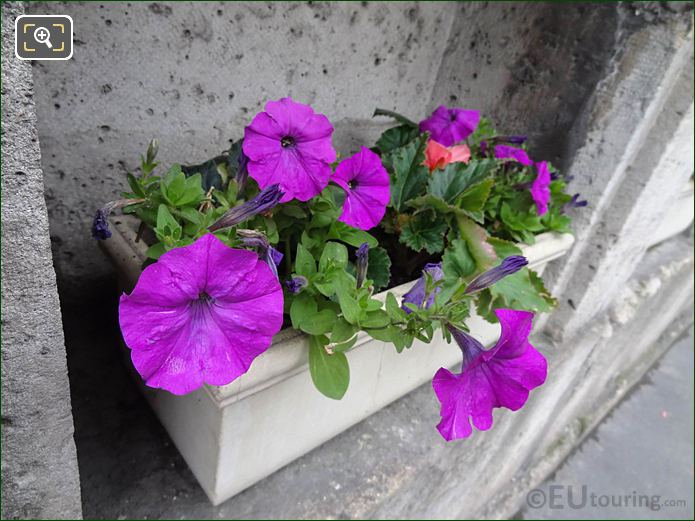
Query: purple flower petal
x,y
201,314
540,189
508,266
449,126
500,377
289,144
367,189
516,154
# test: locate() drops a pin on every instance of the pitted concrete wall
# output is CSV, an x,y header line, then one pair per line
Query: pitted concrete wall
x,y
193,74
39,465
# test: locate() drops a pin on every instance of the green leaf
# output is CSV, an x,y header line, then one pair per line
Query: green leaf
x,y
345,290
349,235
457,261
213,172
172,186
472,200
451,182
329,372
376,318
395,115
476,239
423,232
334,255
504,248
135,186
303,305
519,291
319,322
156,250
342,331
396,137
379,267
304,264
408,174
394,310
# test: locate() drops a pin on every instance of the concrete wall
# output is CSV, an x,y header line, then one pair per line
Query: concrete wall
x,y
39,464
193,74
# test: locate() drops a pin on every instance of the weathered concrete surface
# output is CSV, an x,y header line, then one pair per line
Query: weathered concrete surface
x,y
39,465
635,157
643,449
394,464
193,74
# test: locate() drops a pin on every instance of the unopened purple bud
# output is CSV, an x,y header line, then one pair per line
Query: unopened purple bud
x,y
263,202
362,263
416,295
296,284
470,347
243,171
483,147
514,140
100,226
257,240
509,266
574,203
275,255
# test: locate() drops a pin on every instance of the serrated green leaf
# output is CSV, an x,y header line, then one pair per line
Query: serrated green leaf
x,y
396,137
379,268
423,233
451,182
408,174
472,200
457,261
329,372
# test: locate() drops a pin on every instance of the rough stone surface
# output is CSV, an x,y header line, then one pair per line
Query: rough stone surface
x,y
39,464
619,459
394,464
635,157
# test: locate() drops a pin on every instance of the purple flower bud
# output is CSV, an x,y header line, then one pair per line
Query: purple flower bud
x,y
263,202
362,263
483,147
470,347
100,226
416,295
243,171
509,266
296,284
512,140
257,240
573,203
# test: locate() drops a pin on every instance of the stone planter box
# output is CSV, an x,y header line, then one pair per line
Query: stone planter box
x,y
233,436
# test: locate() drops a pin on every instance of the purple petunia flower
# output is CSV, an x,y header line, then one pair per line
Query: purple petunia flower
x,y
289,144
362,263
540,189
416,295
201,314
449,126
264,201
516,154
500,377
367,189
509,266
296,284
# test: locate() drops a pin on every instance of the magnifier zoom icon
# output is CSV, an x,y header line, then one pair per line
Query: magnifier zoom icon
x,y
43,35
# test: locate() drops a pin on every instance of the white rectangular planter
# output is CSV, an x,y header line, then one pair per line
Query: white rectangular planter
x,y
233,436
678,216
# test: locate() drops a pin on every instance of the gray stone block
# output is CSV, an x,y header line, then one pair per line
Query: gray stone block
x,y
39,465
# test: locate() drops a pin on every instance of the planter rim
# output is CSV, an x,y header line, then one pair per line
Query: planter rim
x,y
287,355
